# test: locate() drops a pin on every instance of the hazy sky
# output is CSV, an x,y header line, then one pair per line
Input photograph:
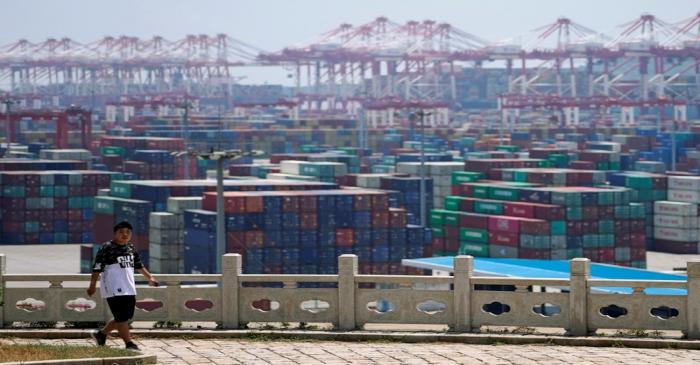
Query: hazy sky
x,y
271,25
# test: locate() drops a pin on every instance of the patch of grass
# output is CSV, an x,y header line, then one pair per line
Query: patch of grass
x,y
38,324
524,330
48,352
632,333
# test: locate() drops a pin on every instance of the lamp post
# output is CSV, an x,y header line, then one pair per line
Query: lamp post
x,y
422,114
220,157
186,136
7,101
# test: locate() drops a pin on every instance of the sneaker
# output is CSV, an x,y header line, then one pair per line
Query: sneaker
x,y
132,346
99,337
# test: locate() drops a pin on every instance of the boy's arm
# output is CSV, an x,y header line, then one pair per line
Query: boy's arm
x,y
93,281
151,279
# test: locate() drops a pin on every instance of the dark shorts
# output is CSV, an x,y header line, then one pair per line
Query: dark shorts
x,y
122,307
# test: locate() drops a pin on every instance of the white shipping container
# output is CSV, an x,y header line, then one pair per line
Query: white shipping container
x,y
411,168
675,221
675,208
688,196
291,167
165,251
676,234
371,181
283,176
179,204
684,182
444,168
163,220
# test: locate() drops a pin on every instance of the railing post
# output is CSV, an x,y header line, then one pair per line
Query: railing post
x,y
693,299
2,291
578,296
463,271
230,270
347,269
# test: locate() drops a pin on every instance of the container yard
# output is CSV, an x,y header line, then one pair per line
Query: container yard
x,y
592,155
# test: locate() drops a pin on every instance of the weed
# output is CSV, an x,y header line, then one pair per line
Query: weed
x,y
167,324
82,325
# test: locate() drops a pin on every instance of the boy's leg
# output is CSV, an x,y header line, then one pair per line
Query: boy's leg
x,y
109,327
123,329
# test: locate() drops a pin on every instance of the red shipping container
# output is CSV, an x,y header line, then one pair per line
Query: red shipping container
x,y
590,213
254,204
397,218
637,226
640,254
573,228
344,237
637,240
272,269
474,220
451,232
380,219
589,227
308,221
534,227
504,238
308,203
290,204
380,269
606,254
519,210
437,244
531,253
505,224
12,227
591,253
361,202
380,202
451,244
140,242
466,205
75,214
254,238
365,269
32,191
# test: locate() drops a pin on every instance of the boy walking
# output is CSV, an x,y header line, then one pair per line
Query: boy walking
x,y
115,263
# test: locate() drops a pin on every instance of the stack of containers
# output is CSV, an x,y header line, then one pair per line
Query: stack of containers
x,y
543,223
166,243
151,165
408,196
22,164
646,189
318,171
67,154
597,160
439,172
684,189
134,201
676,227
304,231
551,176
49,206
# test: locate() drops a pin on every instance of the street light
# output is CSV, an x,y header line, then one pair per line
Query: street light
x,y
220,157
422,114
7,101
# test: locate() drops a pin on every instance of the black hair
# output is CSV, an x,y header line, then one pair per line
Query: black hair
x,y
123,224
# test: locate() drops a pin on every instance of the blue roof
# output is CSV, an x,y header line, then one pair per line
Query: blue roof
x,y
552,269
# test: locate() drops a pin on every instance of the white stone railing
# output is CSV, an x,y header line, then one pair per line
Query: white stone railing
x,y
352,300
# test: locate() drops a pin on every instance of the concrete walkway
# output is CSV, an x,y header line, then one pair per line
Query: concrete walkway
x,y
281,352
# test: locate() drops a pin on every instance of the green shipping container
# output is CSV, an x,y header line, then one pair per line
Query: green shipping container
x,y
111,150
104,205
480,191
121,189
60,191
452,202
46,191
11,191
459,177
508,148
503,193
557,228
438,232
488,207
75,203
437,218
474,249
474,235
